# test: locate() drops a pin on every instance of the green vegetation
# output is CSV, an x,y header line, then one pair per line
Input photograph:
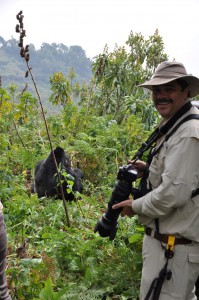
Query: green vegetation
x,y
46,258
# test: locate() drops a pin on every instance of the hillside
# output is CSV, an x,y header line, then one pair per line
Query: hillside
x,y
46,61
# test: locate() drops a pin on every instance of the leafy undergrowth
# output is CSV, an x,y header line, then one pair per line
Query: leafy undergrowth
x,y
49,260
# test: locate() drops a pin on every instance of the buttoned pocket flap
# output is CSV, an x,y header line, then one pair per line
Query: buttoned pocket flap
x,y
193,258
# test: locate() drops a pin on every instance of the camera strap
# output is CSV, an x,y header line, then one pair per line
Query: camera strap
x,y
187,118
157,282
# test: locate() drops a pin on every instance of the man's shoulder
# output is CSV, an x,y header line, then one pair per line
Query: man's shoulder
x,y
187,125
190,127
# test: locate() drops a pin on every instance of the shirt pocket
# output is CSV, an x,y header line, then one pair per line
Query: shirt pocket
x,y
157,167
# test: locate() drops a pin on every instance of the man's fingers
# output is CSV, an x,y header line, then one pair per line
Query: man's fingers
x,y
127,208
115,206
127,211
122,204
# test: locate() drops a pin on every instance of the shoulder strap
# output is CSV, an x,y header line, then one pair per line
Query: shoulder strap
x,y
187,118
195,193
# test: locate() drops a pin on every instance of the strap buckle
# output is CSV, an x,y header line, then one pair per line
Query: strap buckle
x,y
169,250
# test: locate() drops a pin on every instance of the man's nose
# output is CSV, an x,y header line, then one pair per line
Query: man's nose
x,y
161,95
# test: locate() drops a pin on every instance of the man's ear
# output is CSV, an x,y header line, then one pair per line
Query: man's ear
x,y
187,92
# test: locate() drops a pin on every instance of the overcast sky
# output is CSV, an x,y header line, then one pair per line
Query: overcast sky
x,y
92,24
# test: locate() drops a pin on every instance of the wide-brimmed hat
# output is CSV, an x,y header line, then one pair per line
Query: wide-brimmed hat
x,y
169,71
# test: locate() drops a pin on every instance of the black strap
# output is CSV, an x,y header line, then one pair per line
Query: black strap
x,y
195,193
157,225
157,283
187,118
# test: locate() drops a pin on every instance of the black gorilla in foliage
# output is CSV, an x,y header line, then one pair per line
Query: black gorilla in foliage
x,y
46,182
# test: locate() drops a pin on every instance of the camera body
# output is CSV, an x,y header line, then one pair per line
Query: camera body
x,y
127,173
108,224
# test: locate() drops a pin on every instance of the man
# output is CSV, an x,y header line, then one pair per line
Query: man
x,y
170,209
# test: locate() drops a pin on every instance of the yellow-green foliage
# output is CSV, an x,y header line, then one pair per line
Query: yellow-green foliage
x,y
46,257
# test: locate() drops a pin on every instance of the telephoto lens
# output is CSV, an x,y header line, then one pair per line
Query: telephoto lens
x,y
108,224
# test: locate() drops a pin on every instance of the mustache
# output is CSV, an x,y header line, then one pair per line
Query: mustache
x,y
163,101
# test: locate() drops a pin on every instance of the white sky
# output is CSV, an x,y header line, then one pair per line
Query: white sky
x,y
93,23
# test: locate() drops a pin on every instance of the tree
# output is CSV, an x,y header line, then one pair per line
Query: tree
x,y
118,74
71,76
61,89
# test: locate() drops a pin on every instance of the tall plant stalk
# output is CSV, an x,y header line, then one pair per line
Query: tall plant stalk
x,y
24,53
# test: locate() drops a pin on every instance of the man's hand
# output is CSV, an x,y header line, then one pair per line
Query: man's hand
x,y
127,208
140,166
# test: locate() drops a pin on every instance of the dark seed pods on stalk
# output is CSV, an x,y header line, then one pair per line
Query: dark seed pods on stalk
x,y
24,51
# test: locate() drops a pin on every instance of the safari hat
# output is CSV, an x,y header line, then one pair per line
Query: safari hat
x,y
169,71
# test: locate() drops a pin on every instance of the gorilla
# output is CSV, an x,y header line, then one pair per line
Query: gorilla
x,y
46,182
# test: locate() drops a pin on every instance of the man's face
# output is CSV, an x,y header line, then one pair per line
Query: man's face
x,y
169,98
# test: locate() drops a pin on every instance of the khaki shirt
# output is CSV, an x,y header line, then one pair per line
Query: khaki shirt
x,y
174,175
1,207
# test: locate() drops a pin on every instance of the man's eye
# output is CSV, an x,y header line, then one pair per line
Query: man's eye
x,y
155,91
170,90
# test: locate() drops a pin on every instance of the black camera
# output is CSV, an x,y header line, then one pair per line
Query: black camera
x,y
108,224
127,173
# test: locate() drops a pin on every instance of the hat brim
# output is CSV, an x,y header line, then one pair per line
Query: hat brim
x,y
192,81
